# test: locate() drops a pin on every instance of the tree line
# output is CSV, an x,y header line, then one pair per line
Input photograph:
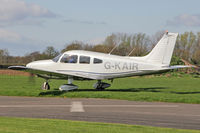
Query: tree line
x,y
139,44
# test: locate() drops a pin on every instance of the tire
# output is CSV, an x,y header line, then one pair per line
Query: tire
x,y
45,86
99,87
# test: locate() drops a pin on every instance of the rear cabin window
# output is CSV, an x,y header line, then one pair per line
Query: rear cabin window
x,y
69,58
84,60
97,61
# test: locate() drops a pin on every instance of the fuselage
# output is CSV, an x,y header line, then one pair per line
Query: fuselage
x,y
96,65
86,65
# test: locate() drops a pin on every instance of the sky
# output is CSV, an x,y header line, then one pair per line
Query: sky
x,y
32,25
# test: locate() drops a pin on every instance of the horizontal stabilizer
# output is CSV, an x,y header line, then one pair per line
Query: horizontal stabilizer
x,y
178,66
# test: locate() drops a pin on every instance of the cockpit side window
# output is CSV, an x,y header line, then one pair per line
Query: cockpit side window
x,y
97,61
57,58
69,58
84,60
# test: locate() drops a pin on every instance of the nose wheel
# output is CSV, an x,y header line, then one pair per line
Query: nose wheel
x,y
45,86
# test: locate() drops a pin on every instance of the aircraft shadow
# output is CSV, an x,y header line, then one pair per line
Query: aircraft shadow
x,y
196,92
57,92
150,89
54,92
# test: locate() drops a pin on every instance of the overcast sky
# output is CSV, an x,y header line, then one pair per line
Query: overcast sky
x,y
32,25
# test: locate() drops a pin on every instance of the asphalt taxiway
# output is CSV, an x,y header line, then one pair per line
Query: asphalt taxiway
x,y
173,115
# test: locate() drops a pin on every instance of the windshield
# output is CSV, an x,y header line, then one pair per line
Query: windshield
x,y
56,58
69,58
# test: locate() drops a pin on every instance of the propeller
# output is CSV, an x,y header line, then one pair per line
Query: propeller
x,y
32,78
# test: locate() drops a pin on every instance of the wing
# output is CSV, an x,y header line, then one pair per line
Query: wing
x,y
48,74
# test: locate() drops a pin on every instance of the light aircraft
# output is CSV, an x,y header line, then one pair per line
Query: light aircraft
x,y
87,65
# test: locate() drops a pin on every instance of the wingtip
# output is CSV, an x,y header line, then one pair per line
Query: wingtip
x,y
17,67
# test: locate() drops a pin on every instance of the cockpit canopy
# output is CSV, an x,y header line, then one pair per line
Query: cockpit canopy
x,y
73,58
69,58
55,59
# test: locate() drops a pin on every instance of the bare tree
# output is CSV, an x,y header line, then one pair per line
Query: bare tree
x,y
50,52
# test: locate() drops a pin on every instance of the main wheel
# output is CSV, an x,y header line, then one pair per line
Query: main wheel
x,y
101,85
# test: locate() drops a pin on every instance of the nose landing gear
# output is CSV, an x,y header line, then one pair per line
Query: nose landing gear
x,y
45,86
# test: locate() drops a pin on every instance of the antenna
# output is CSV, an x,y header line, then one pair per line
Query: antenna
x,y
131,52
166,32
113,49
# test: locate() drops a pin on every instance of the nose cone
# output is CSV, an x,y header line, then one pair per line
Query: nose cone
x,y
29,65
33,64
39,64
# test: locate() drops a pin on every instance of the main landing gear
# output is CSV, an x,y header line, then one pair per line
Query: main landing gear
x,y
101,85
68,87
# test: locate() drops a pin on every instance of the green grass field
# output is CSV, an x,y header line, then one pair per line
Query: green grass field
x,y
30,125
163,89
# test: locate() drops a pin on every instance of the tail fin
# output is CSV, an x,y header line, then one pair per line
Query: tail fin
x,y
162,52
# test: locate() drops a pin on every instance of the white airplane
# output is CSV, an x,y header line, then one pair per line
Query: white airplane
x,y
86,65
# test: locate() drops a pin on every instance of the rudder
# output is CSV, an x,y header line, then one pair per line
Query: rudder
x,y
162,52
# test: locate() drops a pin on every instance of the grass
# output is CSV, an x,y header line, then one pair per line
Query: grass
x,y
30,125
162,89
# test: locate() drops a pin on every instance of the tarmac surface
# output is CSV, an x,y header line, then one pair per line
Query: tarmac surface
x,y
173,115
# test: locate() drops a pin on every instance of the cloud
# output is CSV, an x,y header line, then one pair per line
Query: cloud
x,y
9,36
185,20
17,44
18,11
83,22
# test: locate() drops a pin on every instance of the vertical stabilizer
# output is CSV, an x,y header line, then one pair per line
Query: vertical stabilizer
x,y
162,52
